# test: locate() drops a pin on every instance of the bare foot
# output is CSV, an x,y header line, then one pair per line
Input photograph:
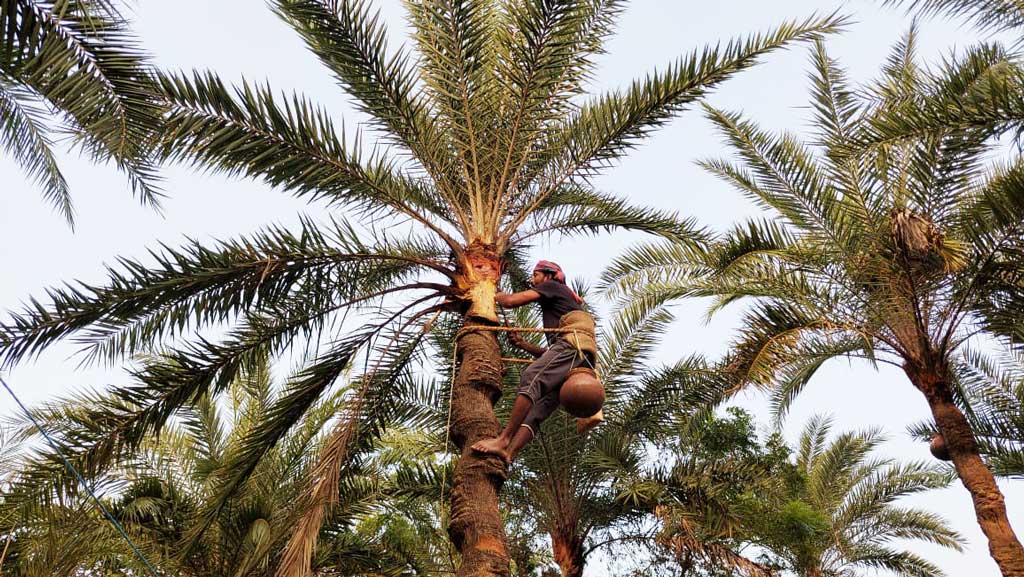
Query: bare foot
x,y
497,446
585,424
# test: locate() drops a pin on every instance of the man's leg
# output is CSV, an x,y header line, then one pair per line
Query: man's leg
x,y
541,410
499,445
523,436
542,376
586,423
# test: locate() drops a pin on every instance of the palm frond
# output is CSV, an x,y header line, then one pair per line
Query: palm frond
x,y
837,115
785,176
607,127
24,136
630,339
978,91
352,42
370,411
273,278
546,54
293,145
579,211
803,362
80,57
989,15
304,389
455,40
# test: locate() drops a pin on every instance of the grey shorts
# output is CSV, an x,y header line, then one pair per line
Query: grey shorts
x,y
542,380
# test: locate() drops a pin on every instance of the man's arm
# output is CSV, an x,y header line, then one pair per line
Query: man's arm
x,y
526,345
513,300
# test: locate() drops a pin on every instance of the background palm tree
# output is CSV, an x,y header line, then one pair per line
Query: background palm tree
x,y
882,252
160,494
577,488
834,509
74,62
483,145
715,466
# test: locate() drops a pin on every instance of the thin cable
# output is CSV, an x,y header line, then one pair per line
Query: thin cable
x,y
448,427
81,480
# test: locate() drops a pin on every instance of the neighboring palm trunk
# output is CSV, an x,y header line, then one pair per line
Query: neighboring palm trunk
x,y
989,505
475,525
568,552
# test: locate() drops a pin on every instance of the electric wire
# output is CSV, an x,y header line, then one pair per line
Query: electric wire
x,y
113,521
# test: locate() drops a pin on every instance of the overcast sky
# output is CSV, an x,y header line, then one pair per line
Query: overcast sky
x,y
240,38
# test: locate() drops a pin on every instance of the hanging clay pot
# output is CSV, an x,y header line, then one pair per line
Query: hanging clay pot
x,y
938,447
582,394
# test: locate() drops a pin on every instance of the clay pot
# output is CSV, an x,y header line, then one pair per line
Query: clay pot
x,y
582,394
938,447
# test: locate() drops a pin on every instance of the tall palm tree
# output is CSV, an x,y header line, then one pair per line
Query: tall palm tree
x,y
74,62
883,253
835,511
483,146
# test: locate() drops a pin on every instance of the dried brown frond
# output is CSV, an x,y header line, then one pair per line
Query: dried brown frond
x,y
321,496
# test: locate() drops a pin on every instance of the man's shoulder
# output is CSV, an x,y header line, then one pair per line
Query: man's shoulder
x,y
549,288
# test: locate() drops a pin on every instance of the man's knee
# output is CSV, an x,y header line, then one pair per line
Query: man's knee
x,y
529,386
529,374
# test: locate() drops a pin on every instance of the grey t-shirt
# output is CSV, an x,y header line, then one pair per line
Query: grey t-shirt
x,y
556,299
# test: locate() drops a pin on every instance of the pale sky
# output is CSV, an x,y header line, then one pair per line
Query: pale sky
x,y
240,38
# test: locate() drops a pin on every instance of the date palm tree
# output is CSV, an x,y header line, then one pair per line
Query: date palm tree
x,y
486,140
160,494
835,511
579,489
885,253
75,63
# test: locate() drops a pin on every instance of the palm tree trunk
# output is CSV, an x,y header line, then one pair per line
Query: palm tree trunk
x,y
568,552
475,526
989,506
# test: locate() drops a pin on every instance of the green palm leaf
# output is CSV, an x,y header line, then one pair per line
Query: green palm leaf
x,y
81,59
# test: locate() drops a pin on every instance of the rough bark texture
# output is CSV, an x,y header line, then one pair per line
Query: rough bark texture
x,y
989,505
568,552
476,527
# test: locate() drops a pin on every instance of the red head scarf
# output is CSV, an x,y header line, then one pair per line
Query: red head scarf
x,y
549,266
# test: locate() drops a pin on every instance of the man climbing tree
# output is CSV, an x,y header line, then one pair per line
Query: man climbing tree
x,y
541,382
